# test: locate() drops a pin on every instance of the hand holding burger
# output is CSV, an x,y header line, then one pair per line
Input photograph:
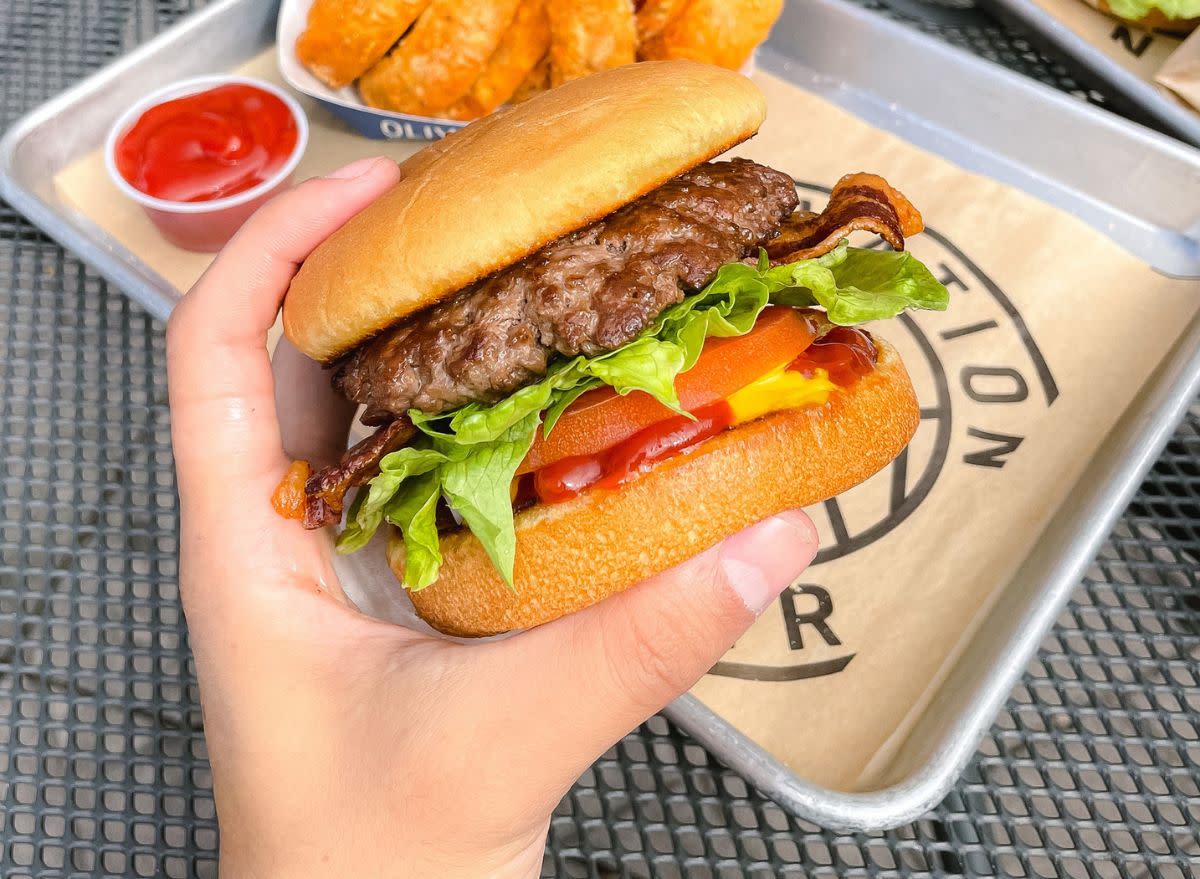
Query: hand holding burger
x,y
343,746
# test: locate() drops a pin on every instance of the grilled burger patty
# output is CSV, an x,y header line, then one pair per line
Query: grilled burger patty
x,y
587,292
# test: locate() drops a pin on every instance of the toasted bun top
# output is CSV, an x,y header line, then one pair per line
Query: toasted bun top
x,y
508,184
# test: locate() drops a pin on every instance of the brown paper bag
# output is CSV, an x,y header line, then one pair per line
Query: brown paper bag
x,y
1181,72
1051,332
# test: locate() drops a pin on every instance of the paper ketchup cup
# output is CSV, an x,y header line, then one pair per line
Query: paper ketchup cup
x,y
204,225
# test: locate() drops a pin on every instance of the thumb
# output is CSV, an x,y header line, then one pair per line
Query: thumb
x,y
604,670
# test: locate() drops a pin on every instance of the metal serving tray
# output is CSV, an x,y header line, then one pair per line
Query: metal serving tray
x,y
1134,93
937,97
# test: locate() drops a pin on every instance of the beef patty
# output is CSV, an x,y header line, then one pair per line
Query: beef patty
x,y
585,293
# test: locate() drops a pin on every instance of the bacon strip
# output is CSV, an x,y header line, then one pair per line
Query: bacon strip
x,y
859,202
324,493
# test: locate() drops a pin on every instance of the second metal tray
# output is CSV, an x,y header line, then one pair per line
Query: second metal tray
x,y
1140,97
937,97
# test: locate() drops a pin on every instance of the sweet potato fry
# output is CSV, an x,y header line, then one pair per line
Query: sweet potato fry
x,y
523,45
345,37
654,15
435,64
721,32
590,35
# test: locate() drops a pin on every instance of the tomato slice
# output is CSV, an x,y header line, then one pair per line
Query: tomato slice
x,y
602,418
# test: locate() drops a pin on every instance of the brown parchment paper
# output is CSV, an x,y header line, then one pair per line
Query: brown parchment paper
x,y
1181,71
1051,333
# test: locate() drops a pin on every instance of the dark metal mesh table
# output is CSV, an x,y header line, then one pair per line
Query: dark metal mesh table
x,y
1091,770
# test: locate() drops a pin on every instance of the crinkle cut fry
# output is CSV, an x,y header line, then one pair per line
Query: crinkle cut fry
x,y
859,203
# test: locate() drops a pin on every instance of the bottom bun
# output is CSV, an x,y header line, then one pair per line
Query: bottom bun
x,y
1154,20
571,555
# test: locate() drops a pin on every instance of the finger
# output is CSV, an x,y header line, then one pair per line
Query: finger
x,y
603,671
314,419
221,389
244,287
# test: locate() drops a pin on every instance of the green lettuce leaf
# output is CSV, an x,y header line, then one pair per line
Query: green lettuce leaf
x,y
477,487
413,509
469,456
1174,9
565,399
858,286
645,364
367,511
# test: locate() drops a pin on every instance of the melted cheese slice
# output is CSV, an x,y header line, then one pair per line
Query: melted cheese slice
x,y
777,390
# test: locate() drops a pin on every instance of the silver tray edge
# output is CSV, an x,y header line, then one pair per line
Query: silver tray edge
x,y
1181,120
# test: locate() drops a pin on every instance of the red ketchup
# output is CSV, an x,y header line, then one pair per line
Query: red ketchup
x,y
846,354
208,145
565,479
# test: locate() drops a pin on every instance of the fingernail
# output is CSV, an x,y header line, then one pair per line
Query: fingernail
x,y
763,560
360,168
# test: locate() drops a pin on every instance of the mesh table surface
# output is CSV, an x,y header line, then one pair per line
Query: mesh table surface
x,y
1091,769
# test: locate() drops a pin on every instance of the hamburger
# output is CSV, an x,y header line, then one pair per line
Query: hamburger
x,y
589,350
1178,17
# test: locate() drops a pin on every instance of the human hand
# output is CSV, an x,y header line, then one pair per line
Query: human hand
x,y
343,745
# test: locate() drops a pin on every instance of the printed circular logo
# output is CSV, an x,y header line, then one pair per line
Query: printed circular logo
x,y
973,366
977,307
